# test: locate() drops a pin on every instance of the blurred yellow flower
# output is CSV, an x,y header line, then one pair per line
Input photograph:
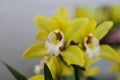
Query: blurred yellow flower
x,y
98,14
115,68
114,12
91,72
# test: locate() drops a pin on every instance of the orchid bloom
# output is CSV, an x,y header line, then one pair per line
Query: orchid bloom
x,y
88,39
55,36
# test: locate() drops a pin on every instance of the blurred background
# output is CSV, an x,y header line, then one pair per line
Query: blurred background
x,y
17,30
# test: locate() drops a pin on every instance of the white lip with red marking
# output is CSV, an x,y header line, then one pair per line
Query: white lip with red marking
x,y
92,46
54,41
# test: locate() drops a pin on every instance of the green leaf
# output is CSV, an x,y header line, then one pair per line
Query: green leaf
x,y
91,78
47,73
67,78
14,72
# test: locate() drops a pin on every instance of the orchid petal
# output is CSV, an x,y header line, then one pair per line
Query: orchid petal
x,y
92,72
73,55
109,53
88,29
42,35
62,13
103,29
35,51
38,77
43,23
76,27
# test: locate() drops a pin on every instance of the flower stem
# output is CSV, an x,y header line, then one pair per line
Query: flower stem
x,y
76,74
91,78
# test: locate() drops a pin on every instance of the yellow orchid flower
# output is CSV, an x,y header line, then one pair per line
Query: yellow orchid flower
x,y
55,34
88,39
57,69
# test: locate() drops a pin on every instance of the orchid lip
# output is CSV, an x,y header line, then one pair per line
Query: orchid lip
x,y
54,42
92,46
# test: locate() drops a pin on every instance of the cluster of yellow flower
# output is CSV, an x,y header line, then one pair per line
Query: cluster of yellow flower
x,y
100,14
64,43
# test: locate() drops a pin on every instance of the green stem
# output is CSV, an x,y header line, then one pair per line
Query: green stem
x,y
76,74
91,78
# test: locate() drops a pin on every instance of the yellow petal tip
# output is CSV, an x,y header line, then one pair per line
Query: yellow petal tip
x,y
110,23
24,56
